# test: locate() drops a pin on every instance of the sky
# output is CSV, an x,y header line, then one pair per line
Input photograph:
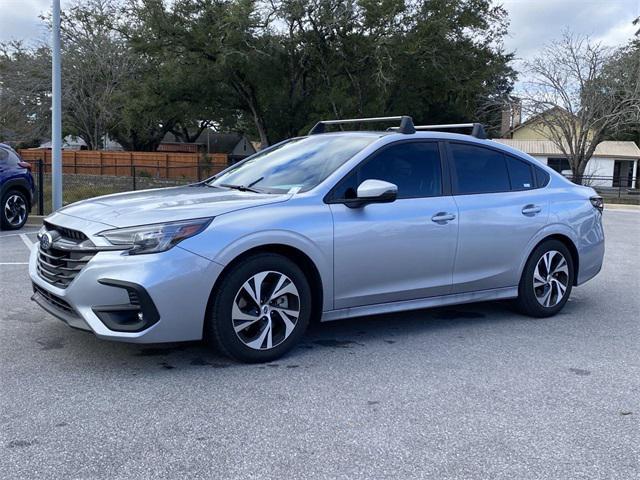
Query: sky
x,y
533,22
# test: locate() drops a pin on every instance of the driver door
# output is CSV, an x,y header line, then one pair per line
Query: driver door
x,y
404,250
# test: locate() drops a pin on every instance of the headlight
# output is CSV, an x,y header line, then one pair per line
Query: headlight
x,y
154,238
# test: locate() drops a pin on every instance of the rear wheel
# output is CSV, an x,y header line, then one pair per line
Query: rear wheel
x,y
261,309
547,280
15,210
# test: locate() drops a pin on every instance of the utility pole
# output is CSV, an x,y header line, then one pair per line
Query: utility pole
x,y
56,110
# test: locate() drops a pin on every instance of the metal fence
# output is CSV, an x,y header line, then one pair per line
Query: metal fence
x,y
621,187
80,186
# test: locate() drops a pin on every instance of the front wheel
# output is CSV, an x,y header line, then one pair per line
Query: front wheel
x,y
14,211
546,281
261,309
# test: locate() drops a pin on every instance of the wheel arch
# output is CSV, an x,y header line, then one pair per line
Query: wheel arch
x,y
300,258
567,242
19,185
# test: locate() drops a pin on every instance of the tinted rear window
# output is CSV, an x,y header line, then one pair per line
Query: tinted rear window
x,y
520,174
542,177
478,170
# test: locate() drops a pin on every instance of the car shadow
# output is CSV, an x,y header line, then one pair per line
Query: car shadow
x,y
90,352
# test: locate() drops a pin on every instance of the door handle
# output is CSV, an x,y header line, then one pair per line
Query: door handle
x,y
443,217
531,209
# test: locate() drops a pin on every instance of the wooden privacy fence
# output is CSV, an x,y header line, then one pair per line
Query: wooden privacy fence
x,y
126,164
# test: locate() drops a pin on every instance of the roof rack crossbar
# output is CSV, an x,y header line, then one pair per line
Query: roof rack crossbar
x,y
477,130
406,123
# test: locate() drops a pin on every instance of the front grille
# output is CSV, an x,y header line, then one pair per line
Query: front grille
x,y
64,259
59,267
66,233
54,300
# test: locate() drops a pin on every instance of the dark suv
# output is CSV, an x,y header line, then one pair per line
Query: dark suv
x,y
16,189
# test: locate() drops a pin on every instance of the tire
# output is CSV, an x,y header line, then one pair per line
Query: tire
x,y
14,210
252,333
540,293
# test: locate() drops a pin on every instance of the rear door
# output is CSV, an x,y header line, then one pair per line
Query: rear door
x,y
395,251
500,210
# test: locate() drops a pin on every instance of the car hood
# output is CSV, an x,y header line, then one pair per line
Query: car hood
x,y
166,205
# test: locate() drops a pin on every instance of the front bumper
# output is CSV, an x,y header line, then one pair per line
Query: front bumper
x,y
177,282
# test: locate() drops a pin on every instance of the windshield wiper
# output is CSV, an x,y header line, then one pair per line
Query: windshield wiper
x,y
244,188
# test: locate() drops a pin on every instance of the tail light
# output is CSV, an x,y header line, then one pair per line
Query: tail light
x,y
597,202
25,165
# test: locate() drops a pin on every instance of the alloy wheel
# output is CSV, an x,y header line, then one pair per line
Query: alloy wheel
x,y
551,279
265,310
15,210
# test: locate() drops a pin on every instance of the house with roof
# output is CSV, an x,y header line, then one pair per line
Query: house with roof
x,y
613,164
236,145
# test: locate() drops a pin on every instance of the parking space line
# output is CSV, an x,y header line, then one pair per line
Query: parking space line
x,y
3,235
26,240
14,263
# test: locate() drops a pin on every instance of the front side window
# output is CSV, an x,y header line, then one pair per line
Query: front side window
x,y
301,163
478,170
414,167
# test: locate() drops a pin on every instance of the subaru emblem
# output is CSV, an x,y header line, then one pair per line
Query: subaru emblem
x,y
45,241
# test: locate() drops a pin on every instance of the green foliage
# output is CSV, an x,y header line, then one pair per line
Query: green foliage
x,y
623,72
25,86
272,69
282,66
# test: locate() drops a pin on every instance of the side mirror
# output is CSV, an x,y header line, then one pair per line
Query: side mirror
x,y
374,191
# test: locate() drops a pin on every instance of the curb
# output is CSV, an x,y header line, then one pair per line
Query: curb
x,y
621,206
35,220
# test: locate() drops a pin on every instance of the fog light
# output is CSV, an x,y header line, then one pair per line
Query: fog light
x,y
136,316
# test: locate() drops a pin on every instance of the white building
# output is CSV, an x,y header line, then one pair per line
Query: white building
x,y
613,164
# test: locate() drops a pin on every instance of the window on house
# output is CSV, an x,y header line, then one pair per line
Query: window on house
x,y
623,173
559,164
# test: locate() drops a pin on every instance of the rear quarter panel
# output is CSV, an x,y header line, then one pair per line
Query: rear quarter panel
x,y
572,215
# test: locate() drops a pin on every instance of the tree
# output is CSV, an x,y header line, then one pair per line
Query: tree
x,y
210,44
282,65
96,63
25,93
578,97
623,71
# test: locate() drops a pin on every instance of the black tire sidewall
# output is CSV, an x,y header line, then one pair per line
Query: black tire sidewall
x,y
220,326
3,220
527,300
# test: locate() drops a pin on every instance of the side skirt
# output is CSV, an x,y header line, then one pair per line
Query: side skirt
x,y
454,299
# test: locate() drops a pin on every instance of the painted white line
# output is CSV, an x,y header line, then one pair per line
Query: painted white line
x,y
14,263
620,210
2,235
26,240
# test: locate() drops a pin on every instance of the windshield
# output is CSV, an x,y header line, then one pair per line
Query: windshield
x,y
301,163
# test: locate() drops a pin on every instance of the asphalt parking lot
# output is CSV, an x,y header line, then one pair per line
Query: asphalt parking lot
x,y
463,392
